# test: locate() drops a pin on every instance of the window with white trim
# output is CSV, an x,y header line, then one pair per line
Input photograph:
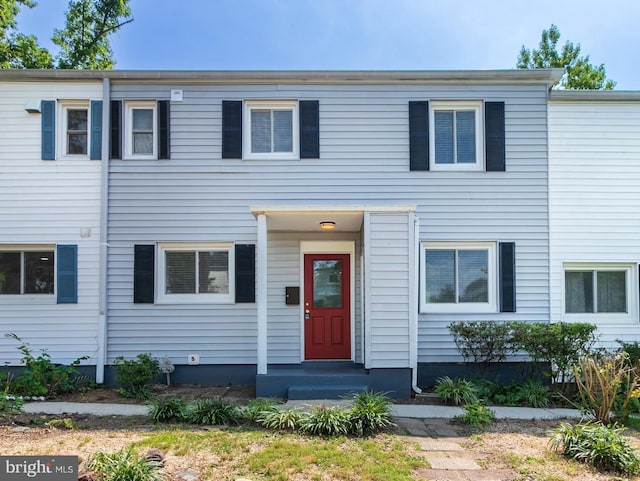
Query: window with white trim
x,y
141,130
271,130
196,273
27,270
456,138
458,277
603,289
73,136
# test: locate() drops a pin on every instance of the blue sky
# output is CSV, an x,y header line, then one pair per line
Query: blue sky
x,y
359,34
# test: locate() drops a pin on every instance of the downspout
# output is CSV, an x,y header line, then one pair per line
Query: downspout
x,y
414,259
104,246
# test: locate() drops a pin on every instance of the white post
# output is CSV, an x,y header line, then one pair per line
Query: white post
x,y
261,300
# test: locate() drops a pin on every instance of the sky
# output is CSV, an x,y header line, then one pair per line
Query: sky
x,y
359,34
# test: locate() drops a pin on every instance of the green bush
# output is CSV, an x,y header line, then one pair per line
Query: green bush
x,y
482,342
285,420
601,446
125,465
476,414
134,375
632,349
10,404
370,414
533,393
457,391
326,421
212,411
169,409
254,409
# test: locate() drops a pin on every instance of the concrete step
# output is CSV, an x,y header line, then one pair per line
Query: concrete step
x,y
324,391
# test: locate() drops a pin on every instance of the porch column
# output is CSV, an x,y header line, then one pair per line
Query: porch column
x,y
261,301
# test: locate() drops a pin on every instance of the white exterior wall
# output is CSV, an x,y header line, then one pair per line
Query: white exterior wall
x,y
48,202
594,152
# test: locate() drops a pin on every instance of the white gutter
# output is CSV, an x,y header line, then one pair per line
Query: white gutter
x,y
104,210
414,255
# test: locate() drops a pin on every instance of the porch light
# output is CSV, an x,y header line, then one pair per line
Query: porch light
x,y
327,225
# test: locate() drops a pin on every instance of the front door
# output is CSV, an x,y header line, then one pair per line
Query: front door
x,y
327,306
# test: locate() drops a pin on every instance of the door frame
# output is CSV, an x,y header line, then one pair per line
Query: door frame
x,y
330,247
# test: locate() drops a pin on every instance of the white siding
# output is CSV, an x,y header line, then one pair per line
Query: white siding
x,y
48,202
594,152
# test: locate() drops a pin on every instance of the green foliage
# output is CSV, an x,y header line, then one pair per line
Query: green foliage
x,y
476,414
370,414
601,446
40,376
580,73
533,393
326,421
482,341
64,423
457,391
256,407
169,409
288,419
134,375
125,465
10,405
633,351
213,411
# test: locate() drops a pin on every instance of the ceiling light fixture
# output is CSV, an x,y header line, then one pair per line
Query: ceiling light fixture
x,y
327,225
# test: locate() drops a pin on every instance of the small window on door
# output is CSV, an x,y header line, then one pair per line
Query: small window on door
x,y
327,283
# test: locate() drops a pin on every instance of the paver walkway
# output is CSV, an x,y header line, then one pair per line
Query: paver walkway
x,y
438,441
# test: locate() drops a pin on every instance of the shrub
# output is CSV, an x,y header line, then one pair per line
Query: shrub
x,y
370,414
214,411
254,409
10,405
135,375
458,391
606,385
326,421
476,414
168,409
601,446
482,341
288,419
533,393
125,465
632,349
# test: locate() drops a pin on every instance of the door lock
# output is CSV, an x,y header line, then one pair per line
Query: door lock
x,y
307,314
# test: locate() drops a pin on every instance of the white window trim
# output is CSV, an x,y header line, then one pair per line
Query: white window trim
x,y
477,106
129,107
61,132
163,298
32,298
631,270
248,106
462,307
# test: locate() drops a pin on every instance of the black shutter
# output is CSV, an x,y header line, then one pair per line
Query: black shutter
x,y
116,129
419,135
164,135
245,273
231,129
507,276
309,129
144,260
494,136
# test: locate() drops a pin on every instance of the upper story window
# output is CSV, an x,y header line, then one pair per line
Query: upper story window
x,y
73,136
140,130
458,277
456,139
27,271
271,129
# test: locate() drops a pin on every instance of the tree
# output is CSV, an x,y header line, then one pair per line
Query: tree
x,y
83,42
580,74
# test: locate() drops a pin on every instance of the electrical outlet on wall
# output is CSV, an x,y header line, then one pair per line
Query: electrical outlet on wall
x,y
193,359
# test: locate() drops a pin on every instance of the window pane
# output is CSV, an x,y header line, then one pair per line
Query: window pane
x,y
260,131
444,137
213,272
441,276
76,144
466,137
578,291
9,273
612,291
142,143
38,272
282,131
143,119
327,283
77,119
181,272
473,283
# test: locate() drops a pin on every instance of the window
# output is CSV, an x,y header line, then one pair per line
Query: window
x,y
458,277
602,289
140,130
73,138
195,273
271,130
456,139
25,271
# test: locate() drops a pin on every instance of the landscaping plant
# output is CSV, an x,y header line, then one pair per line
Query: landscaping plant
x,y
482,342
285,420
135,375
632,349
476,414
125,465
254,409
457,391
326,421
370,414
212,411
169,409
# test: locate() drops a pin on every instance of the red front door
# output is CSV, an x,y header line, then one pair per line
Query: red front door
x,y
327,306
